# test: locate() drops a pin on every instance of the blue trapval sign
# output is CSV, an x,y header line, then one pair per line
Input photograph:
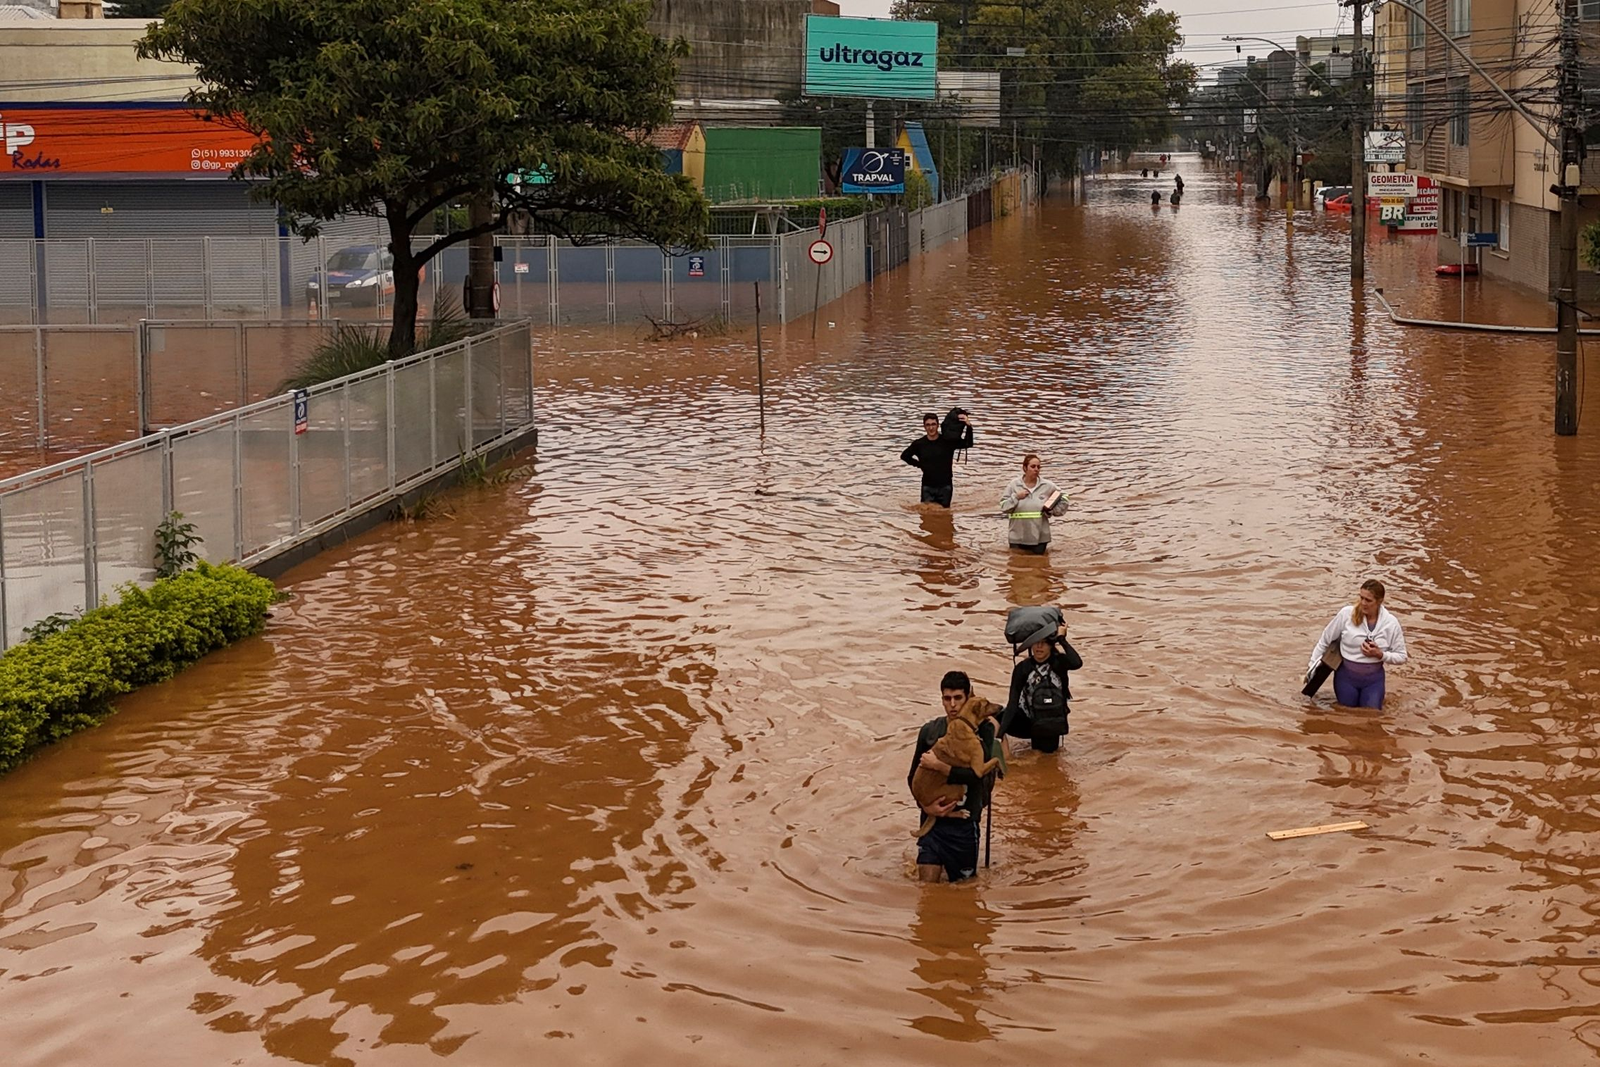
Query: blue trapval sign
x,y
873,170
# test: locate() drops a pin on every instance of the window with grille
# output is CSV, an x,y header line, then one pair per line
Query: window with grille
x,y
1460,116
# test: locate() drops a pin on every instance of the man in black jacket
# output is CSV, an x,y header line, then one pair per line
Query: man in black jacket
x,y
934,455
950,849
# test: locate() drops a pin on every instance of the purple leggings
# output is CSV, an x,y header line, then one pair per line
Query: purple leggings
x,y
1359,685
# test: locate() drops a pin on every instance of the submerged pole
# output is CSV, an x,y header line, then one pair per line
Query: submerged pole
x,y
761,371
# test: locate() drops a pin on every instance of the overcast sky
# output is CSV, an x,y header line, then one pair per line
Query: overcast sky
x,y
1206,21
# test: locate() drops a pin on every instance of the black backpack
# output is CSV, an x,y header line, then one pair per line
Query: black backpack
x,y
1047,703
952,429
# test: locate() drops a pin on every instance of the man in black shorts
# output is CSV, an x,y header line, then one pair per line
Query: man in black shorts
x,y
934,455
950,849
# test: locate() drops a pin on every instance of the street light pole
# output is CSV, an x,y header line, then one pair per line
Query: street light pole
x,y
1567,268
1291,187
1291,193
1358,155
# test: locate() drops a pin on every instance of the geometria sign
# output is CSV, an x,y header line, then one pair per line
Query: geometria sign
x,y
887,59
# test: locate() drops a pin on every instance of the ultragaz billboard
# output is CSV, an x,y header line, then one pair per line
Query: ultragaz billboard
x,y
886,59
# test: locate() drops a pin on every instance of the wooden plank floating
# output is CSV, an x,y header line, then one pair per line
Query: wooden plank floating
x,y
1312,831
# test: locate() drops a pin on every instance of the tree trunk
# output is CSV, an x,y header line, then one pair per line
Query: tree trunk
x,y
480,261
407,282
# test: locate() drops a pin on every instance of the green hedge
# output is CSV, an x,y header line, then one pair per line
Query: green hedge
x,y
64,681
805,212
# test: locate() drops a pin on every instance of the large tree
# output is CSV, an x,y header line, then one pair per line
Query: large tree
x,y
396,108
1074,73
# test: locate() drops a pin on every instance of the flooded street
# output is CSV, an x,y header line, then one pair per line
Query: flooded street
x,y
611,762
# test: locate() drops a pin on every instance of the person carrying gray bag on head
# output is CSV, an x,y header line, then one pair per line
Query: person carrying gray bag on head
x,y
1040,699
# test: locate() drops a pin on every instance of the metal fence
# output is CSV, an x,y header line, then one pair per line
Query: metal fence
x,y
806,288
92,281
252,482
69,387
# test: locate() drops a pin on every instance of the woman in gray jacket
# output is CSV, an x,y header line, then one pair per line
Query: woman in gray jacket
x,y
1029,501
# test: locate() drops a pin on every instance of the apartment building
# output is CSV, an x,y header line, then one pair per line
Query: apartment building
x,y
1495,167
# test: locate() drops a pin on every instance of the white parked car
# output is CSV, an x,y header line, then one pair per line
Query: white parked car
x,y
1328,192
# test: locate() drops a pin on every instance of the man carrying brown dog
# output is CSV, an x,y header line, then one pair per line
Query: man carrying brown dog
x,y
950,849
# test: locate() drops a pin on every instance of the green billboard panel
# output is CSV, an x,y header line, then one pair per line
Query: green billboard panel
x,y
887,59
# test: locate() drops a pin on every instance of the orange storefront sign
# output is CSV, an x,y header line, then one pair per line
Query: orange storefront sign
x,y
47,142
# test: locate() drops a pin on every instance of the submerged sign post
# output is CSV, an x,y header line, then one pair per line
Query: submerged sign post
x,y
873,170
820,252
887,59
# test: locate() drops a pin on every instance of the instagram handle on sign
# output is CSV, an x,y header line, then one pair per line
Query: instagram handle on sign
x,y
216,159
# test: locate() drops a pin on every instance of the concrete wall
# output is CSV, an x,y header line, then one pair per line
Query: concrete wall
x,y
79,60
745,55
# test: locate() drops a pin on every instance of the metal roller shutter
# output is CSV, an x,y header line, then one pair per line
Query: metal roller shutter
x,y
164,247
155,209
16,251
16,210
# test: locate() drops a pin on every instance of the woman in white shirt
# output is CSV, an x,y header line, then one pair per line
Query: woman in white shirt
x,y
1367,637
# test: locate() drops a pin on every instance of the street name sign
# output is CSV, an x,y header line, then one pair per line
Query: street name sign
x,y
1480,240
1392,186
820,252
1385,146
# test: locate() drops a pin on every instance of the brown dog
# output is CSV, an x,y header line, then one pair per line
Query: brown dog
x,y
959,747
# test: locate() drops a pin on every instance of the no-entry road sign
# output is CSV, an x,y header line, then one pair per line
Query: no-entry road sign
x,y
820,252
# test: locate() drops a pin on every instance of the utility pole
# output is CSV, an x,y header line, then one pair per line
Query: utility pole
x,y
1358,154
1568,145
1291,183
1571,89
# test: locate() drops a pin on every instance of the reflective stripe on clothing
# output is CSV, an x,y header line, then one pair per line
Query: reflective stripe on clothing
x,y
1029,519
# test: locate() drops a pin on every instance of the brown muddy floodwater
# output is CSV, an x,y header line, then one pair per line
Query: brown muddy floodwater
x,y
610,764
